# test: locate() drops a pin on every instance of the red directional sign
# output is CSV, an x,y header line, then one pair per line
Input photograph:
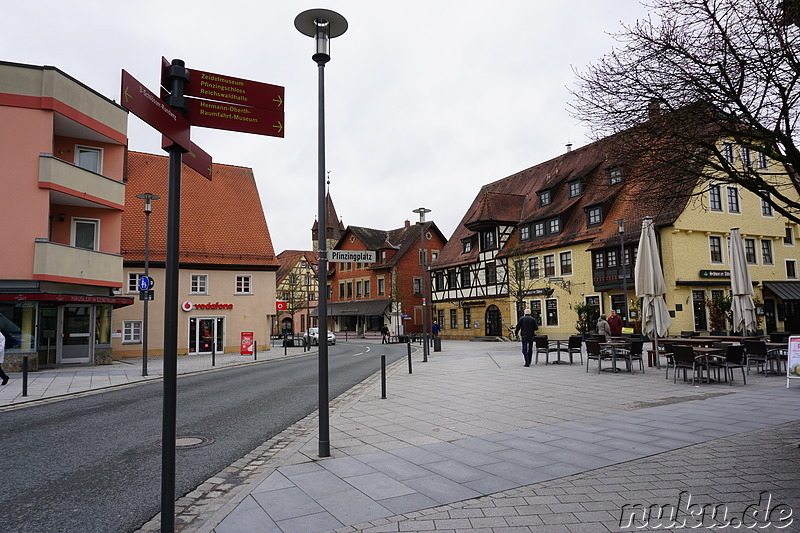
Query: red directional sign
x,y
140,101
234,90
197,159
221,116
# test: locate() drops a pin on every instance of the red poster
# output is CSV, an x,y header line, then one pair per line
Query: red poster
x,y
247,343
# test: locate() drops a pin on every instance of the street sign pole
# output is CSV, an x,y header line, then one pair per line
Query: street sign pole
x,y
177,76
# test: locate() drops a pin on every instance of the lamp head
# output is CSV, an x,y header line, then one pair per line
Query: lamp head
x,y
323,25
421,211
148,201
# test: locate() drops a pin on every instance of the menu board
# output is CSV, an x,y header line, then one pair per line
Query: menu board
x,y
793,366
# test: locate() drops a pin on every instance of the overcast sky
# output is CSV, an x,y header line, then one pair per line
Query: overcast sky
x,y
426,100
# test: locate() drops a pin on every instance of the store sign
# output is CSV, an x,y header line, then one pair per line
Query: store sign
x,y
188,306
473,303
706,274
246,343
281,306
793,362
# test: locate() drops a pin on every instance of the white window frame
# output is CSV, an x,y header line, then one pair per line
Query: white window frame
x,y
715,197
727,151
561,257
766,206
794,263
93,221
198,290
721,251
766,245
762,161
129,332
246,284
133,288
788,232
79,148
738,202
753,257
594,216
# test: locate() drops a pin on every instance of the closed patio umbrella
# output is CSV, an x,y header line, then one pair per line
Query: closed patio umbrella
x,y
650,286
744,310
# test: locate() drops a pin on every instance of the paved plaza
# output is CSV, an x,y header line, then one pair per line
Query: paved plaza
x,y
474,441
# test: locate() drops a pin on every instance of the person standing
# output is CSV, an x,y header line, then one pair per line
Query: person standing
x,y
435,329
3,375
527,326
385,334
615,324
602,326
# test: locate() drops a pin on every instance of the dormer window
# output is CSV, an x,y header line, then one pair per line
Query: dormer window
x,y
594,216
489,242
525,232
615,175
544,198
554,226
575,189
467,246
538,229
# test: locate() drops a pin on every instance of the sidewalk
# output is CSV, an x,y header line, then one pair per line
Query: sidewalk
x,y
473,441
71,380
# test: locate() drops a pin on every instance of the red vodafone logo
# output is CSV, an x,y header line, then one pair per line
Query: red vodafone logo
x,y
187,306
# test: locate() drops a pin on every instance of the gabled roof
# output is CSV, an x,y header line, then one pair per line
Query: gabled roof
x,y
400,239
289,259
222,221
496,208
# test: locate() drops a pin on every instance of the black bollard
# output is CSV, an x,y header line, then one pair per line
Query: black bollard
x,y
255,350
383,377
214,353
25,376
409,357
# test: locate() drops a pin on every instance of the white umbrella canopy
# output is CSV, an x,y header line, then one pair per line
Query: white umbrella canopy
x,y
744,310
650,286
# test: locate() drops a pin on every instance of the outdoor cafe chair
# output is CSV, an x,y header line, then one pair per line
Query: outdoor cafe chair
x,y
667,347
575,345
593,351
756,352
542,346
633,354
733,358
683,358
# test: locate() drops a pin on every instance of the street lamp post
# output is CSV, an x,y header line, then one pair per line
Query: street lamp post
x,y
323,25
148,208
621,222
425,350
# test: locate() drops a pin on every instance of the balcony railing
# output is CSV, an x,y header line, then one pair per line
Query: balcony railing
x,y
62,263
75,181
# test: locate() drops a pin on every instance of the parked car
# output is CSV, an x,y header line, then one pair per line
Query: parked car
x,y
313,335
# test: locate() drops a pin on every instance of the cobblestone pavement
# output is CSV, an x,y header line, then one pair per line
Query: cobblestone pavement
x,y
472,441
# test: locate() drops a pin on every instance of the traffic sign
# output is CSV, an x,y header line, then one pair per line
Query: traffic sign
x,y
233,90
146,295
221,116
197,159
145,283
140,101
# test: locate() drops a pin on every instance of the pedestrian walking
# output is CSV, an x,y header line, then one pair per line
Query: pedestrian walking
x,y
603,327
528,326
435,329
615,323
3,375
385,334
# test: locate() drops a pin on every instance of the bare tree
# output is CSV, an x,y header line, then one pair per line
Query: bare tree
x,y
692,74
518,285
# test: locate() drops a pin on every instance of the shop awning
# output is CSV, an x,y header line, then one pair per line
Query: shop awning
x,y
785,290
116,301
357,308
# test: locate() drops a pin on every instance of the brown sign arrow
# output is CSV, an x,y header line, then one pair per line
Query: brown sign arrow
x,y
140,101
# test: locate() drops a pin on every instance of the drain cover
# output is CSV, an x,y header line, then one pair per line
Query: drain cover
x,y
189,442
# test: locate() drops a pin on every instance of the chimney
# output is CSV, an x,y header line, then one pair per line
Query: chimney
x,y
569,147
653,108
408,223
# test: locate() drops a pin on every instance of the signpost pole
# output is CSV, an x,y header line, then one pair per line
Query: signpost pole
x,y
177,78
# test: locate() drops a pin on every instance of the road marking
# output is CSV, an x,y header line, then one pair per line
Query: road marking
x,y
362,353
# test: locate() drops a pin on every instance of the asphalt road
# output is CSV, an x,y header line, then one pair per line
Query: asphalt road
x,y
94,463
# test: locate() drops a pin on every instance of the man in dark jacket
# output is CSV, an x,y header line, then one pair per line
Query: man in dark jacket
x,y
528,326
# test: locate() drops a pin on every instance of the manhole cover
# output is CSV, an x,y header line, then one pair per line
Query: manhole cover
x,y
189,442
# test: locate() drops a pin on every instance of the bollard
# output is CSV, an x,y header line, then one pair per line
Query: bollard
x,y
285,345
214,353
255,350
25,376
383,377
409,357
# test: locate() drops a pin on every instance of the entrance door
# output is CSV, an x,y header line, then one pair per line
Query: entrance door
x,y
791,316
494,322
206,334
76,333
699,307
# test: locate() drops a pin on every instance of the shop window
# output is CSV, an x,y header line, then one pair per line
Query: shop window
x,y
243,284
131,332
467,318
551,307
536,310
199,284
89,158
453,319
18,321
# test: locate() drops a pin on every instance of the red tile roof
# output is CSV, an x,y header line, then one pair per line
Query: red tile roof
x,y
288,259
222,221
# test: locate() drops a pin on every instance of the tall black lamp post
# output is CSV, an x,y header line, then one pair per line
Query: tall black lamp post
x,y
621,222
323,25
148,208
425,350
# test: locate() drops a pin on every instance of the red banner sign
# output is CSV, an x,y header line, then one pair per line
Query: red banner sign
x,y
247,343
197,159
140,101
281,306
233,90
221,116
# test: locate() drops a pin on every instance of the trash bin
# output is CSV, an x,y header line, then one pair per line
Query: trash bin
x,y
437,344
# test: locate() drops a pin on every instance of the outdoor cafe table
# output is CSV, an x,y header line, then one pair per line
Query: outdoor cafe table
x,y
614,345
704,355
557,343
691,341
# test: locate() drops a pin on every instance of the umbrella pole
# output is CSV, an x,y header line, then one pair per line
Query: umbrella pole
x,y
655,336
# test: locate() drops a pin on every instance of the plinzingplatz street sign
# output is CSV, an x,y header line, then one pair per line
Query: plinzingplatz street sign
x,y
352,256
140,101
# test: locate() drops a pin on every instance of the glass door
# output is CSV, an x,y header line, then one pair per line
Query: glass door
x,y
206,334
76,333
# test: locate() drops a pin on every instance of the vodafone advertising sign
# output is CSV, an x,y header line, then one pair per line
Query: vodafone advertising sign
x,y
189,306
